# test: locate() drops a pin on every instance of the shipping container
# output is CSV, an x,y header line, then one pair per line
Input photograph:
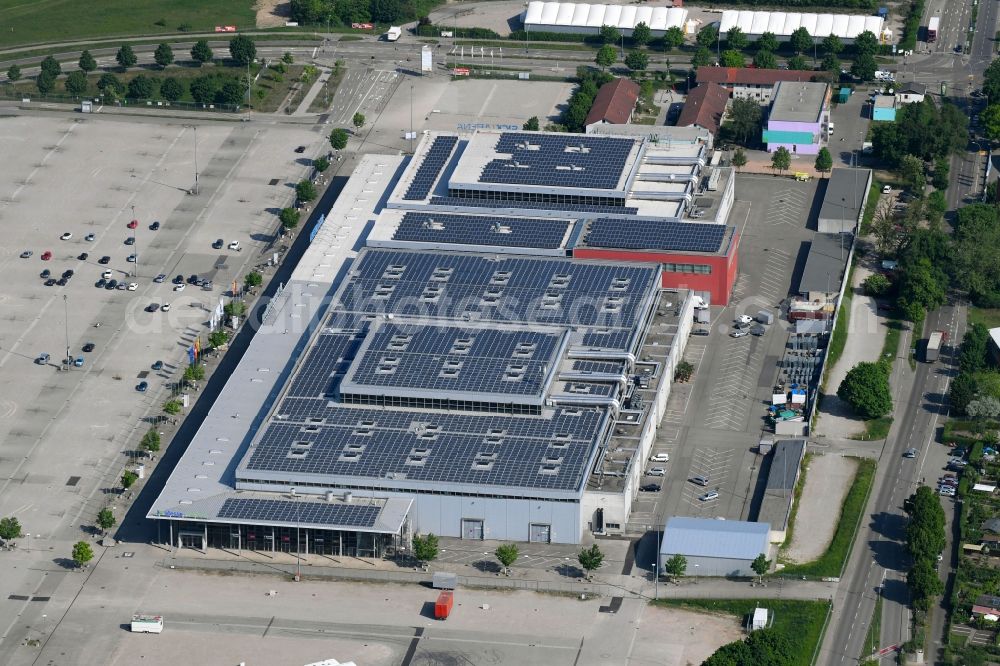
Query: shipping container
x,y
442,609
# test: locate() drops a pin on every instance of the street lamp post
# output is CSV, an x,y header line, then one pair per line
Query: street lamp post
x,y
66,321
298,539
135,245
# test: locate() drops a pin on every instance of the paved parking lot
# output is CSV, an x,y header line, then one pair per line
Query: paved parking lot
x,y
67,433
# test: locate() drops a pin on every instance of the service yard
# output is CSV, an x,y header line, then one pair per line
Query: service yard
x,y
68,430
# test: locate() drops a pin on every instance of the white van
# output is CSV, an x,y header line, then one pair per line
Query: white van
x,y
235,245
830,128
147,624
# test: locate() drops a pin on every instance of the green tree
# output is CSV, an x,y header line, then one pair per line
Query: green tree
x,y
739,158
937,204
731,58
637,60
746,116
961,392
702,57
767,42
940,177
911,171
425,548
105,519
708,37
832,45
129,478
531,125
126,57
194,373
218,338
866,389
171,89
824,160
45,82
242,50
990,119
321,164
51,66
201,52
164,55
82,553
877,285
235,309
831,63
974,350
799,63
150,442
305,190
358,120
864,67
289,218
736,39
288,58
866,43
761,565
338,139
253,279
673,38
76,83
676,566
203,89
641,34
684,371
765,60
800,40
506,554
232,92
610,34
606,56
87,62
924,584
14,73
141,87
10,528
172,407
590,558
386,11
781,159
110,86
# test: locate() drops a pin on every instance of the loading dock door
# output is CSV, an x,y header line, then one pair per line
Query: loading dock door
x,y
539,533
472,529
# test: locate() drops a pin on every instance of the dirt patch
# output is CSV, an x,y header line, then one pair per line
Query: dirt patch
x,y
828,479
693,637
272,13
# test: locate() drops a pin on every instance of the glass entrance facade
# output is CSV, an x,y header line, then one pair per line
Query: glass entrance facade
x,y
285,539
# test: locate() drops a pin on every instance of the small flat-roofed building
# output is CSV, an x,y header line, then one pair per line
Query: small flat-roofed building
x,y
704,107
784,461
680,138
750,83
614,104
824,268
910,93
844,200
884,108
798,114
714,547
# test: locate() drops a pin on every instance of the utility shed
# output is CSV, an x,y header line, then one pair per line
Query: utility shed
x,y
714,547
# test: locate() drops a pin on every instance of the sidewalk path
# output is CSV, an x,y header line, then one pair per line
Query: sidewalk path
x,y
324,75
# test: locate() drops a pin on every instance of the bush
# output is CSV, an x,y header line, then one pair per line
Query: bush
x,y
866,389
289,218
877,285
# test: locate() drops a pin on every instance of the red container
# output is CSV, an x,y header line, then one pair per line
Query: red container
x,y
442,609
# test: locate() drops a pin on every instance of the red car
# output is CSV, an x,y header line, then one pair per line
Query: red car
x,y
46,255
133,224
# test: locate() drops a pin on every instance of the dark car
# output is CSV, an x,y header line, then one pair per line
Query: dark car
x,y
62,282
130,240
100,284
192,279
158,365
178,280
958,453
83,256
699,331
159,278
155,226
112,283
650,488
141,387
46,274
217,245
89,347
757,330
104,260
68,273
50,282
152,307
300,149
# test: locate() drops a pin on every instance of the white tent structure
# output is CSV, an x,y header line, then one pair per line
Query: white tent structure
x,y
585,19
783,24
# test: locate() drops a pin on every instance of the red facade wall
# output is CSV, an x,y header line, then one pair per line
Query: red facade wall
x,y
719,283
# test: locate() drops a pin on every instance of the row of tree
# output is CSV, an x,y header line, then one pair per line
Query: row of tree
x,y
338,13
582,99
426,548
925,540
975,391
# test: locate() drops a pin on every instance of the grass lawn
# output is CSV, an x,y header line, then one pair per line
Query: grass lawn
x,y
801,622
58,20
831,563
988,317
838,340
325,96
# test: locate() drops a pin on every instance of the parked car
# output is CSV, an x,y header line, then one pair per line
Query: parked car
x,y
165,307
699,480
46,255
179,287
158,365
112,284
155,226
235,245
650,488
178,280
192,279
83,256
107,275
100,284
217,245
26,254
159,278
132,286
66,236
656,471
660,457
152,307
46,274
62,282
104,261
758,330
68,273
130,240
50,282
739,332
709,496
744,319
89,238
133,224
42,359
130,258
89,347
142,386
78,362
699,331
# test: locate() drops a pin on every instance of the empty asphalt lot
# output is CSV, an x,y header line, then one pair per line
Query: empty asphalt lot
x,y
64,433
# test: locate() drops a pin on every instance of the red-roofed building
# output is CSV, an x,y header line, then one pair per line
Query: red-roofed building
x,y
750,82
615,103
704,107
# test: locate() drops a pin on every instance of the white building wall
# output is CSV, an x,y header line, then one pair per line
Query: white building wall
x,y
504,519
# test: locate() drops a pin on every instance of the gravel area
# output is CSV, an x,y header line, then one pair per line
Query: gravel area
x,y
828,479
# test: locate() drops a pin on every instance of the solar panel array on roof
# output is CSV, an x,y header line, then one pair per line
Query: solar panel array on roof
x,y
532,205
559,161
655,235
444,447
454,360
434,160
309,513
481,230
329,355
